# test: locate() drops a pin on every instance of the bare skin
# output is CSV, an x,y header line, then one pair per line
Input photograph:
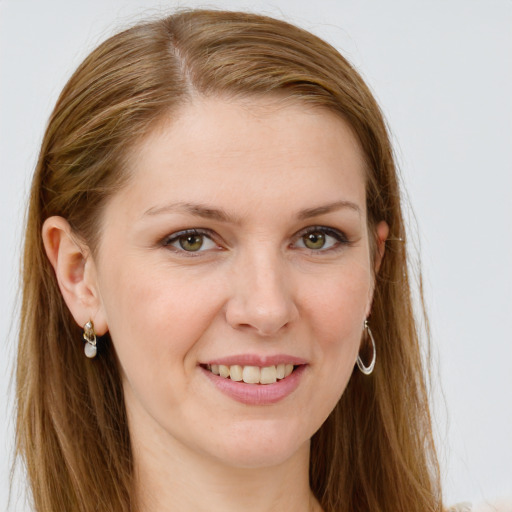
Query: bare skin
x,y
242,234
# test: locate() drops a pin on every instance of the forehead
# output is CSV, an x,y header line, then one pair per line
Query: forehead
x,y
264,116
257,149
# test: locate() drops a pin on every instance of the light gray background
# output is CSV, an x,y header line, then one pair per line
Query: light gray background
x,y
442,71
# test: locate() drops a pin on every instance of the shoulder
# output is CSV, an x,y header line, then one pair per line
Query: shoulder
x,y
461,507
495,506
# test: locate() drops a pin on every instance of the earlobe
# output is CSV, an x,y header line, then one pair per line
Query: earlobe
x,y
75,273
382,233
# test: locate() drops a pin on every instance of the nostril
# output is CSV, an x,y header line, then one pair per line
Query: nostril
x,y
262,303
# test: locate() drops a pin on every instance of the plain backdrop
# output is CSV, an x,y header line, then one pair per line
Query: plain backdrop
x,y
442,72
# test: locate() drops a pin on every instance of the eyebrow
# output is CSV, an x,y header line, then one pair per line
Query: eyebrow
x,y
328,208
196,209
208,212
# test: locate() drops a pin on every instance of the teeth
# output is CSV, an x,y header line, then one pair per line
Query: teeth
x,y
235,372
252,374
223,371
268,375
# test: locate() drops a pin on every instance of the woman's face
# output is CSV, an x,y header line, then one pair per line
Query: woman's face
x,y
241,242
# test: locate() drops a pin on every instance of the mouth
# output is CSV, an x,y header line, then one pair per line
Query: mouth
x,y
252,374
256,380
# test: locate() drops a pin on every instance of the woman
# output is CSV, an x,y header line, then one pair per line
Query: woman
x,y
216,212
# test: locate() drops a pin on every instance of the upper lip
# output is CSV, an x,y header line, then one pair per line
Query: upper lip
x,y
257,360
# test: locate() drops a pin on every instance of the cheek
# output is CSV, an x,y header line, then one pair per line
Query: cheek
x,y
154,316
338,307
337,312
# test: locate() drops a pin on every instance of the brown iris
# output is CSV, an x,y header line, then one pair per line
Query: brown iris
x,y
191,243
314,240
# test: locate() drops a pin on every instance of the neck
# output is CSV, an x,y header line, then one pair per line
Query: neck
x,y
174,478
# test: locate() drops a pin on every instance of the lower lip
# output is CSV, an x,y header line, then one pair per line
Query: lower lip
x,y
257,394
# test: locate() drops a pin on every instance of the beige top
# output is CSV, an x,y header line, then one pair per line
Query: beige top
x,y
504,505
461,507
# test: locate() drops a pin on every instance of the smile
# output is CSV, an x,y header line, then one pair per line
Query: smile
x,y
252,374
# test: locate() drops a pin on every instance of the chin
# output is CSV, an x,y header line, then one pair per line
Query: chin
x,y
257,445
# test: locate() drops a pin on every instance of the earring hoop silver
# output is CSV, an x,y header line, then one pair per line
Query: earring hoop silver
x,y
90,348
367,370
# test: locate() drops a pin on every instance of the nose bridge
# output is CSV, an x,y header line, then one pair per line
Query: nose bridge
x,y
262,297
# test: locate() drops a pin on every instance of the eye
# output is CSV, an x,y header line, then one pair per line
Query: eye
x,y
320,238
190,240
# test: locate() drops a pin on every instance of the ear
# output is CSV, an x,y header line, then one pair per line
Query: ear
x,y
382,233
76,273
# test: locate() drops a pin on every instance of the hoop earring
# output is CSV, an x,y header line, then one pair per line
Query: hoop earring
x,y
89,336
367,370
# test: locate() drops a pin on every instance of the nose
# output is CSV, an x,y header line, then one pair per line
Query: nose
x,y
262,298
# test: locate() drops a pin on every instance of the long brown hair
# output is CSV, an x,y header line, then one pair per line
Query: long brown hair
x,y
375,451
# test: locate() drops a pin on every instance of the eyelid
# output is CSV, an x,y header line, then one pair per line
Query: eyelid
x,y
338,235
168,240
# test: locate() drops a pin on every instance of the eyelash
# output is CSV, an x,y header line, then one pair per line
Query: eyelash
x,y
340,238
175,237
